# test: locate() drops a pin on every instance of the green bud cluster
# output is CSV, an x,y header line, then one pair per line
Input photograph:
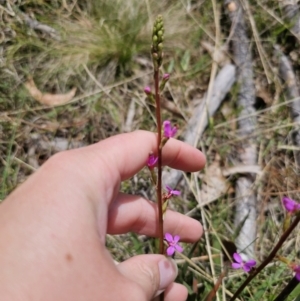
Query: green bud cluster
x,y
157,42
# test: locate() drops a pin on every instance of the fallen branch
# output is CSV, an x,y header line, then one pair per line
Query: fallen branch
x,y
291,10
199,120
245,214
287,74
36,25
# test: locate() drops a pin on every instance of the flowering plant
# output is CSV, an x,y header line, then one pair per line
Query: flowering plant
x,y
165,131
239,263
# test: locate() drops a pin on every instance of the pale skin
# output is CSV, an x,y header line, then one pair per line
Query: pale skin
x,y
53,226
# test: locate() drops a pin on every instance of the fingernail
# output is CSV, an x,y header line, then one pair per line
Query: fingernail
x,y
168,272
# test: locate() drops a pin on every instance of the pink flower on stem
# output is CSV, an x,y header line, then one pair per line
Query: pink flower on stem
x,y
173,244
240,264
297,271
151,160
290,205
147,90
169,131
171,192
166,76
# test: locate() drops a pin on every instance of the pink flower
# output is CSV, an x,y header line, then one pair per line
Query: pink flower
x,y
147,90
290,205
296,269
171,191
240,264
151,160
173,244
169,131
166,76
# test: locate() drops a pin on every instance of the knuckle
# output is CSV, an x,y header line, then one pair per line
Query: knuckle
x,y
136,292
150,274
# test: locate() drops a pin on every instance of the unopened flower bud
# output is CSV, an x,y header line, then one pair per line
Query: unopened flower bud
x,y
166,76
147,90
164,80
157,39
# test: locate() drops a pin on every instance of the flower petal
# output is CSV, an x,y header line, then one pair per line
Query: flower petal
x,y
173,131
296,269
151,160
169,188
289,204
176,238
246,268
235,265
179,248
237,257
167,128
169,237
170,251
176,192
251,263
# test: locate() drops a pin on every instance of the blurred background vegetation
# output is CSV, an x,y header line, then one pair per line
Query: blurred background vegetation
x,y
102,48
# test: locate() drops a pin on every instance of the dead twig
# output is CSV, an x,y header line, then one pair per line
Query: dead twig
x,y
292,15
36,25
245,215
199,120
287,74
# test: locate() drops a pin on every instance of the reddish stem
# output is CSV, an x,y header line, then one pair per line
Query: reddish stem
x,y
159,163
282,239
214,290
159,169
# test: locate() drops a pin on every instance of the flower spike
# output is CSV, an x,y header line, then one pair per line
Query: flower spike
x,y
157,42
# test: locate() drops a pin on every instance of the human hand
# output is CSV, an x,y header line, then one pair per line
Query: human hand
x,y
53,227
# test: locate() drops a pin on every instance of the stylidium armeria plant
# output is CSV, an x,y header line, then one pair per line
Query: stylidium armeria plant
x,y
291,221
165,131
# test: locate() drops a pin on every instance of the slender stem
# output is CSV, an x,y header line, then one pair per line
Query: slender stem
x,y
159,163
213,292
159,169
287,290
282,239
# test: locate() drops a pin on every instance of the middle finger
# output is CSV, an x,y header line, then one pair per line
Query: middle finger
x,y
132,213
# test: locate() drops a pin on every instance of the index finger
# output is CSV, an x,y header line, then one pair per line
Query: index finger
x,y
128,153
102,166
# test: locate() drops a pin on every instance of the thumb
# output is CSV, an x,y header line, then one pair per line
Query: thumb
x,y
152,273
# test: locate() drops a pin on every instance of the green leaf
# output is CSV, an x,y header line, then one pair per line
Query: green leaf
x,y
185,61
